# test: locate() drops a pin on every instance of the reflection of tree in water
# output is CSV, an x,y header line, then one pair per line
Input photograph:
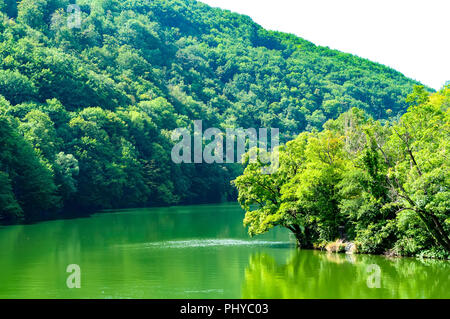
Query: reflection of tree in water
x,y
313,274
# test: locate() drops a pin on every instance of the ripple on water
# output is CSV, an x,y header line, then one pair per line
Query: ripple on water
x,y
204,243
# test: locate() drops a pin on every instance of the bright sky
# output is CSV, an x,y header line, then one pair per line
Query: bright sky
x,y
411,36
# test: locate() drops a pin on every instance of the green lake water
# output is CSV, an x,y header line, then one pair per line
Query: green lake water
x,y
195,252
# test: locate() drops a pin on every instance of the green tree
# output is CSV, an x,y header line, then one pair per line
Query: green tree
x,y
31,181
9,208
417,154
385,186
15,87
302,194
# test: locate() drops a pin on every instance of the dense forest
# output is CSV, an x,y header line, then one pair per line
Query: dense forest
x,y
87,111
384,186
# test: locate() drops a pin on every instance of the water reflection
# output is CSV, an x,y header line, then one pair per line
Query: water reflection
x,y
195,252
313,274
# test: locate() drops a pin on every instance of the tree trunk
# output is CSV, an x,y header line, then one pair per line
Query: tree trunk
x,y
301,237
434,226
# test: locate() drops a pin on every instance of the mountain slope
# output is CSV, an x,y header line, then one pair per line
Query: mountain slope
x,y
97,103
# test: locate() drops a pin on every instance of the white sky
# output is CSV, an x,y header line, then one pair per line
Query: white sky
x,y
411,36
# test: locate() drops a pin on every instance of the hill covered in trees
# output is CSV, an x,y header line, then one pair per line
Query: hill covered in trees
x,y
86,110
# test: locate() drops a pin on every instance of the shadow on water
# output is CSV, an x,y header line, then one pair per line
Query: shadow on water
x,y
314,274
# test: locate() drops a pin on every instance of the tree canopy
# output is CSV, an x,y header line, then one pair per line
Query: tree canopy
x,y
86,111
383,184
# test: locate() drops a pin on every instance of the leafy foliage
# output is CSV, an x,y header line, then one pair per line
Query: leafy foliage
x,y
93,107
383,185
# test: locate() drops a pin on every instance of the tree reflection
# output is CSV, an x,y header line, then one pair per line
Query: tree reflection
x,y
313,274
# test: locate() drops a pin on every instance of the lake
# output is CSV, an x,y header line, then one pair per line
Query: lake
x,y
195,252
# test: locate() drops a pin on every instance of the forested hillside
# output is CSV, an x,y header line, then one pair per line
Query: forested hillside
x,y
86,112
